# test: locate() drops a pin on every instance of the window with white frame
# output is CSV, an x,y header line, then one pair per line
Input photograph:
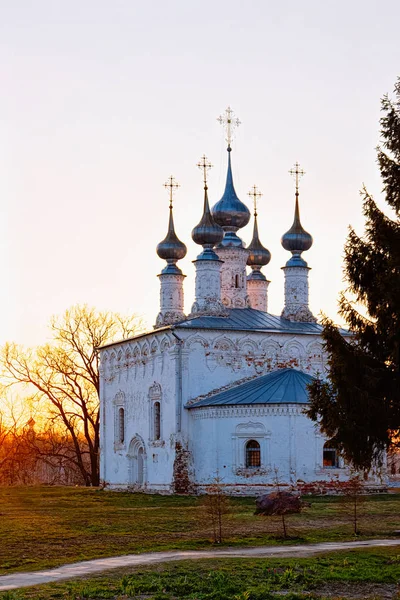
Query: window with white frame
x,y
119,421
157,420
155,413
251,449
121,425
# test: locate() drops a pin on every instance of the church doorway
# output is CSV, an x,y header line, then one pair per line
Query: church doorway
x,y
137,462
140,466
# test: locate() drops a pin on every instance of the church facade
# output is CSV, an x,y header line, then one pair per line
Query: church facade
x,y
218,393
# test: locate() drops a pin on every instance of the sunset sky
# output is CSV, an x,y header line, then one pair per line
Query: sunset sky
x,y
102,100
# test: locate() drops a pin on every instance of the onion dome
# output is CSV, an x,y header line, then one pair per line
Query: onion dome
x,y
207,233
230,212
296,240
258,255
171,248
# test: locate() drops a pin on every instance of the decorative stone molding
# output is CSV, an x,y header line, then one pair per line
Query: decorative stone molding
x,y
119,404
171,299
155,428
244,432
246,411
208,289
257,290
157,443
248,472
296,295
137,463
155,391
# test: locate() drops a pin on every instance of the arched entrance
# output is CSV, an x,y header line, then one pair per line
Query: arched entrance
x,y
137,462
140,466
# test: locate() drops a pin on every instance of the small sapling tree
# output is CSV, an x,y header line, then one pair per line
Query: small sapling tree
x,y
353,495
279,503
216,506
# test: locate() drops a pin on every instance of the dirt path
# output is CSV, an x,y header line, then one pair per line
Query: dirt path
x,y
89,567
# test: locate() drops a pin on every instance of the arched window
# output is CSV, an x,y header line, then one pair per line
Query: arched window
x,y
236,281
121,425
253,454
157,420
330,459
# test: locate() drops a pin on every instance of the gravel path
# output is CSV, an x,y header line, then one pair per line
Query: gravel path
x,y
89,567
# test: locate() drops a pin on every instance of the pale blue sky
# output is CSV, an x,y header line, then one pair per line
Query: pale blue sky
x,y
102,101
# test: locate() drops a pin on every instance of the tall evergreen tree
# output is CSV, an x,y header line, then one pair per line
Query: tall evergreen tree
x,y
358,407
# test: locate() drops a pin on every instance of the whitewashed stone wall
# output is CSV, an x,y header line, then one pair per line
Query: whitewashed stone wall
x,y
291,446
258,293
233,277
296,295
157,367
171,299
208,288
135,375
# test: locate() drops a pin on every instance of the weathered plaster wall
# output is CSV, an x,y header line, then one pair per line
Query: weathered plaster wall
x,y
214,359
135,375
209,442
291,447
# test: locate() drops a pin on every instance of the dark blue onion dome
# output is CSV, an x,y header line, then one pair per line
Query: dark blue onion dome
x,y
207,233
258,255
171,248
296,240
230,212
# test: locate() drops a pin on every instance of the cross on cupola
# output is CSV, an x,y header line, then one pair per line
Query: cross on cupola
x,y
172,185
204,165
229,123
255,194
298,173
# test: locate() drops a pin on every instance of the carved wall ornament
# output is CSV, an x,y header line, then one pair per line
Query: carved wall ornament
x,y
155,391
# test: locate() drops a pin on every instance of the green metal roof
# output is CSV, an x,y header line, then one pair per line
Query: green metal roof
x,y
285,386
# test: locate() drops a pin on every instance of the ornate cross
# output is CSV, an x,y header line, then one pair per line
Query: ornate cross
x,y
172,184
298,173
255,194
230,123
205,165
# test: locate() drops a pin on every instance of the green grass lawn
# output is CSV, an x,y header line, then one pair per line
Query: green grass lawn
x,y
43,527
367,574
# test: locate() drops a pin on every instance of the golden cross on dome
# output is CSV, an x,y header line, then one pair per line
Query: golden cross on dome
x,y
205,165
298,173
230,123
172,184
255,194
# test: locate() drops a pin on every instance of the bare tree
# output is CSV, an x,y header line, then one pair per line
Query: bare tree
x,y
64,375
216,506
278,503
353,492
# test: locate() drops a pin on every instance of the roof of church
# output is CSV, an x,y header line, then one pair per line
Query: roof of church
x,y
249,319
285,386
238,319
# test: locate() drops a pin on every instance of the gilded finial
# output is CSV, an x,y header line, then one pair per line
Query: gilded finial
x,y
230,123
255,194
204,165
172,185
297,172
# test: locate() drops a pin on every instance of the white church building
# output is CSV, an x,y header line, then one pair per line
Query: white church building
x,y
220,392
